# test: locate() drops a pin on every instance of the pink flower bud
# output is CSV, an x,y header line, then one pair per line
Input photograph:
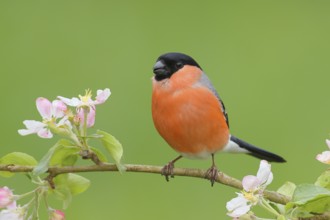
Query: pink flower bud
x,y
57,215
6,197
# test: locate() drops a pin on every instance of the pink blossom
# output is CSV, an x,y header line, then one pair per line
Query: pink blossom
x,y
85,103
324,157
57,215
50,112
86,100
6,198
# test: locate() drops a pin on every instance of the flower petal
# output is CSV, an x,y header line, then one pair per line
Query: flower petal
x,y
240,211
25,132
71,102
237,206
6,197
64,121
90,117
12,205
59,108
32,127
236,202
45,133
12,214
250,183
327,142
32,124
44,107
102,96
264,172
269,180
324,157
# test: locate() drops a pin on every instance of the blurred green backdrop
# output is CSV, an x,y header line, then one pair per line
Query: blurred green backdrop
x,y
269,61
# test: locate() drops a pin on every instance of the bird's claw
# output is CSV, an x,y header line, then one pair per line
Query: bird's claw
x,y
212,174
167,171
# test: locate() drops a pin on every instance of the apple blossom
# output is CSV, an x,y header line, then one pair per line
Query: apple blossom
x,y
6,198
253,187
86,106
17,213
57,215
50,112
86,100
324,157
238,206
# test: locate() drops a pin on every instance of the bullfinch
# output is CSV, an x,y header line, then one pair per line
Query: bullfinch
x,y
189,114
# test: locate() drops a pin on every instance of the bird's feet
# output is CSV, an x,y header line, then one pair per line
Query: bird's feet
x,y
212,174
167,171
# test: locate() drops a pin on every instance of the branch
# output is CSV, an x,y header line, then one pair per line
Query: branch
x,y
221,178
197,173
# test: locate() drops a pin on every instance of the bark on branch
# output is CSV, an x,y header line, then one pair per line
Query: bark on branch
x,y
197,173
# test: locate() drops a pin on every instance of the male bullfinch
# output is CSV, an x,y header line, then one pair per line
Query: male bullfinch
x,y
188,113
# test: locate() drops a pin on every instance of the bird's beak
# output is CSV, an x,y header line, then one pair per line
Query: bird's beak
x,y
159,68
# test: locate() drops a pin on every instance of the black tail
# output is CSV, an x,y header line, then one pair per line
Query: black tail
x,y
257,152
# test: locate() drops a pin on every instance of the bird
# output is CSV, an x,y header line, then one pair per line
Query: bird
x,y
190,116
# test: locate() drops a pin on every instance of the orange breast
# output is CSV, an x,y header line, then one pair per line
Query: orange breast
x,y
188,116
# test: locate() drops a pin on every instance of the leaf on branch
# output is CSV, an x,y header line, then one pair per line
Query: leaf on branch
x,y
63,194
287,189
16,158
68,185
99,154
43,164
324,180
113,146
311,198
64,156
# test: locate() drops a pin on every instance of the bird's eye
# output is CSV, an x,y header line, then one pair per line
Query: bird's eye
x,y
179,65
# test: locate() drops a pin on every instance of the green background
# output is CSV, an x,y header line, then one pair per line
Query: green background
x,y
269,61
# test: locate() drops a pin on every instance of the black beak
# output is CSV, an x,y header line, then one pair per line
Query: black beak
x,y
161,71
159,68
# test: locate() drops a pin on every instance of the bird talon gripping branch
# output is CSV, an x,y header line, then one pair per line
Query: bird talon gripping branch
x,y
212,174
167,171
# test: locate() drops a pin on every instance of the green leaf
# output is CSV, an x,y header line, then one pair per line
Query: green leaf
x,y
113,146
306,192
63,194
68,185
287,189
99,154
311,198
64,156
281,217
77,184
16,158
324,180
43,164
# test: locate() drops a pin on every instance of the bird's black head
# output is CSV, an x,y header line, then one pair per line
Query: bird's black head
x,y
169,63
